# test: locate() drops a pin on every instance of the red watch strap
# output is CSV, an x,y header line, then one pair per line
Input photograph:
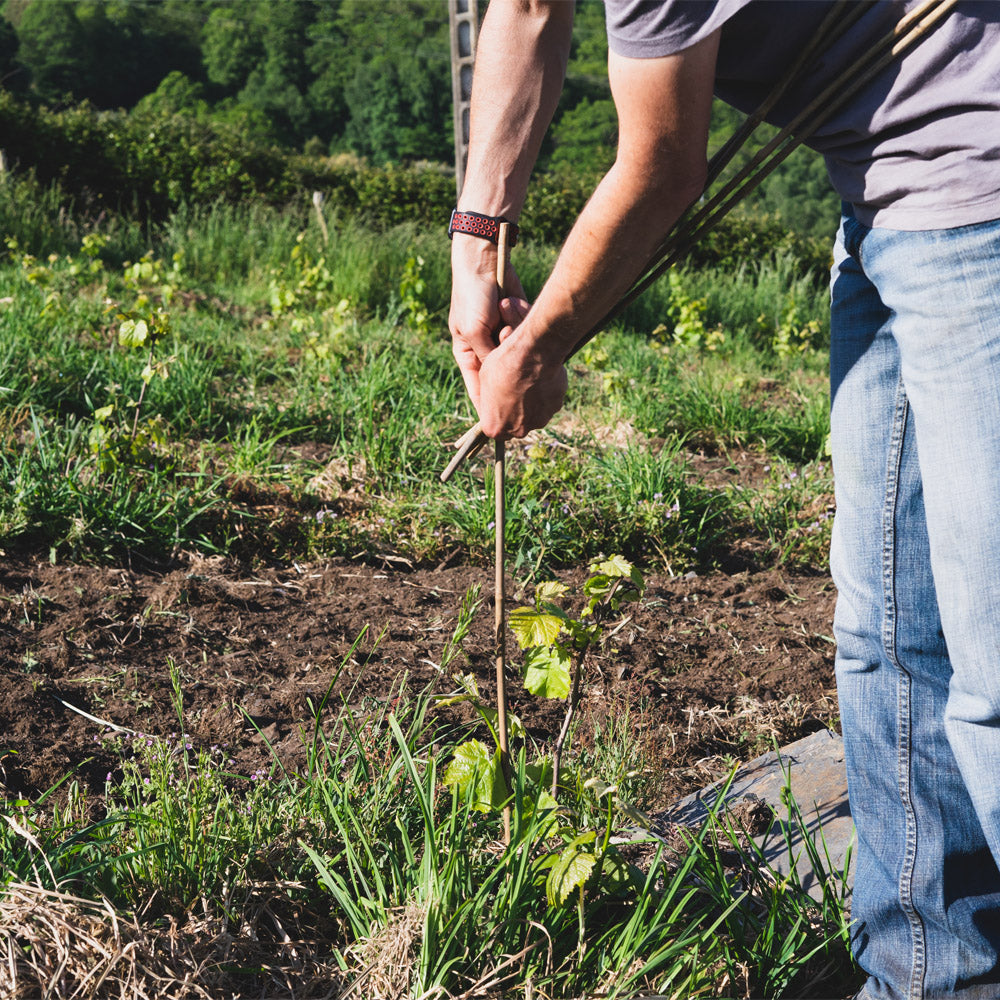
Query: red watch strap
x,y
486,226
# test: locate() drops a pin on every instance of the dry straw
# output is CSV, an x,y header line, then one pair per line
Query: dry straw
x,y
56,946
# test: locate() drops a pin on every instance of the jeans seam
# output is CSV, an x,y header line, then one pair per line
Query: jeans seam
x,y
905,885
854,234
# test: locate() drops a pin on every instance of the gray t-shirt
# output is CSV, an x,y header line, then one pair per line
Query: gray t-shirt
x,y
917,148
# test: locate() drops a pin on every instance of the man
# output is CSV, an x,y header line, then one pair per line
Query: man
x,y
915,394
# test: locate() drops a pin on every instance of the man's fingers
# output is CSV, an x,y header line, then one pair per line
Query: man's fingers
x,y
514,310
469,365
471,380
514,288
518,397
475,337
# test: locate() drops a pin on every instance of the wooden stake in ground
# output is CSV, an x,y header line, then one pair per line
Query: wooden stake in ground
x,y
500,523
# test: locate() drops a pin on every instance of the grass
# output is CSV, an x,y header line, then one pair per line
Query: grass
x,y
290,379
279,397
395,885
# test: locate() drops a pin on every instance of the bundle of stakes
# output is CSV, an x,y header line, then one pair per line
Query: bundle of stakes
x,y
695,222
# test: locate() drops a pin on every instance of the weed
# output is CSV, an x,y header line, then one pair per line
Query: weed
x,y
185,365
413,296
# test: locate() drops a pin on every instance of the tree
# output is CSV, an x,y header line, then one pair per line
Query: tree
x,y
589,52
400,109
329,72
231,46
176,94
13,75
109,52
381,77
276,85
52,50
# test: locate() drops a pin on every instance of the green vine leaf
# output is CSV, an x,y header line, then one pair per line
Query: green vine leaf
x,y
534,628
618,877
571,870
515,726
546,809
600,788
605,580
133,333
547,671
550,590
583,635
613,566
476,773
470,695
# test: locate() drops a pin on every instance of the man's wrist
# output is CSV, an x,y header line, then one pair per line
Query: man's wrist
x,y
538,347
471,254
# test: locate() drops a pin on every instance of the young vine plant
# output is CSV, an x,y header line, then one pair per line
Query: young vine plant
x,y
556,644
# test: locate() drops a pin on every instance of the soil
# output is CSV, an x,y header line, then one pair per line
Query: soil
x,y
708,669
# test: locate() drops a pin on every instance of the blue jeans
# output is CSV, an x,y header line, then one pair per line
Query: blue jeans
x,y
915,421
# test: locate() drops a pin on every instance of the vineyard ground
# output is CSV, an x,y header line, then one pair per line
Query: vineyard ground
x,y
710,669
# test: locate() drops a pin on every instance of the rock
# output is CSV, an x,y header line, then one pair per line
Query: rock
x,y
813,769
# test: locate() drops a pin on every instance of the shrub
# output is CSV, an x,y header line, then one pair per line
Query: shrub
x,y
148,164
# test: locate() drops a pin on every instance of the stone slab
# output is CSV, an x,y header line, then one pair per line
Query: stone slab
x,y
813,768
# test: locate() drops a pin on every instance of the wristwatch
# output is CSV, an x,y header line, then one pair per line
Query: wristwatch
x,y
485,226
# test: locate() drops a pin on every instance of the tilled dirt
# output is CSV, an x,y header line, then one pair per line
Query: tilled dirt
x,y
707,669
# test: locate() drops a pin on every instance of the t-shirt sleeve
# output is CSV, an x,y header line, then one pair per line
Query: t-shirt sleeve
x,y
646,29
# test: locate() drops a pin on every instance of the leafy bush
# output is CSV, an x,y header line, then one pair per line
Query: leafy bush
x,y
742,238
150,164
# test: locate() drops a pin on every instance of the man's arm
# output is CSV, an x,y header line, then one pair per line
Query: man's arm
x,y
664,106
521,61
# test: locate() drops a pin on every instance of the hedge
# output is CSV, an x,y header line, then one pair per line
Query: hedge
x,y
148,165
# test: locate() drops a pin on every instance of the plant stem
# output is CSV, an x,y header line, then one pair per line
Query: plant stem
x,y
142,396
500,517
574,696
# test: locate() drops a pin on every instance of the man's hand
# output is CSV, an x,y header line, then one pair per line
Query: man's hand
x,y
664,107
516,387
521,61
478,313
520,386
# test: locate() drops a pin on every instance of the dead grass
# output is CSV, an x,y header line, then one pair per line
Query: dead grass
x,y
388,956
60,947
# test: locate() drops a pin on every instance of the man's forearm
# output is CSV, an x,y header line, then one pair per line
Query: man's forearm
x,y
523,381
663,110
521,61
520,67
663,105
611,243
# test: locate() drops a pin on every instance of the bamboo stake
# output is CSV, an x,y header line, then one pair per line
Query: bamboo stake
x,y
838,19
909,30
499,601
693,225
318,205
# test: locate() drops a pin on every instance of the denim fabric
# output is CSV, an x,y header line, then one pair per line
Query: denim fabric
x,y
915,433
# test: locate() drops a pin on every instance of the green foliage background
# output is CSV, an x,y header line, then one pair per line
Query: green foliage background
x,y
156,103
